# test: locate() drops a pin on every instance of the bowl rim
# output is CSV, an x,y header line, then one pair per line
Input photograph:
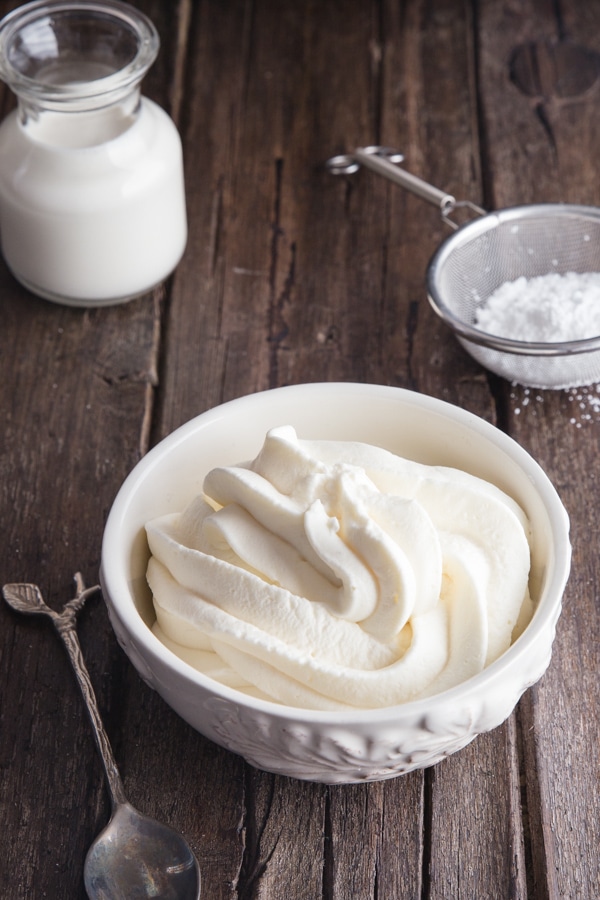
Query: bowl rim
x,y
477,227
115,586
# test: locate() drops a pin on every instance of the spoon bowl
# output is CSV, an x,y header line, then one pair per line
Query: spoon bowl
x,y
134,857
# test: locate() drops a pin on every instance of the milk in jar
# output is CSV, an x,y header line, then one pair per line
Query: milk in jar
x,y
92,202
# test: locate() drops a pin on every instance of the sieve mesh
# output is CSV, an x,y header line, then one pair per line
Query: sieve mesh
x,y
502,246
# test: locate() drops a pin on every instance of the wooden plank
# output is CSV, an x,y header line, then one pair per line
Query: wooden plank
x,y
267,301
75,404
481,853
477,839
201,790
285,833
200,343
72,438
555,159
430,112
376,841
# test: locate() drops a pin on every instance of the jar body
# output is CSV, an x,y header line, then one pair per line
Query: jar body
x,y
92,225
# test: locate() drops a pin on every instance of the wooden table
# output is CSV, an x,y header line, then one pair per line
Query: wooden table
x,y
292,275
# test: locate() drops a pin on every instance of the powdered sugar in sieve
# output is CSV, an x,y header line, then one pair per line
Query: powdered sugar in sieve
x,y
546,308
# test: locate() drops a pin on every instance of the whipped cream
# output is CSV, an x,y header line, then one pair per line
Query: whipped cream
x,y
331,575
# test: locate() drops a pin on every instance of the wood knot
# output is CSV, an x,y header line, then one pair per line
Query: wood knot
x,y
549,68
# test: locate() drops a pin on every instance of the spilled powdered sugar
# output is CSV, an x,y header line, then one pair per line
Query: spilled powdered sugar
x,y
583,403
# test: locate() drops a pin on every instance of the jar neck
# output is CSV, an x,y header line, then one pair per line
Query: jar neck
x,y
81,57
69,128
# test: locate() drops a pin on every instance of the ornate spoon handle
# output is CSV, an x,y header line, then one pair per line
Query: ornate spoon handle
x,y
27,598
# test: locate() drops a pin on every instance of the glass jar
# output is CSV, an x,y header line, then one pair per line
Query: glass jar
x,y
92,204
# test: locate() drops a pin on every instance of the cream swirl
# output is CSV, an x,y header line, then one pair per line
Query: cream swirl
x,y
330,575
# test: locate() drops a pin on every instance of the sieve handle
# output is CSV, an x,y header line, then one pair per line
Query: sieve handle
x,y
384,161
383,166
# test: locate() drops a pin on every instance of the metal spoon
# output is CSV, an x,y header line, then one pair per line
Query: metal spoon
x,y
134,856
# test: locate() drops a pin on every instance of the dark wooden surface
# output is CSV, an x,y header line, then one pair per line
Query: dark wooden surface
x,y
291,275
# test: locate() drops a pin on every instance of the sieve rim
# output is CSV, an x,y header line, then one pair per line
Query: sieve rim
x,y
478,227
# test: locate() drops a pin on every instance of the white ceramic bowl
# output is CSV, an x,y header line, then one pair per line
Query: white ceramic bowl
x,y
363,745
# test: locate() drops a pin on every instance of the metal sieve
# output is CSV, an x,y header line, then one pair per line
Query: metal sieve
x,y
492,249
